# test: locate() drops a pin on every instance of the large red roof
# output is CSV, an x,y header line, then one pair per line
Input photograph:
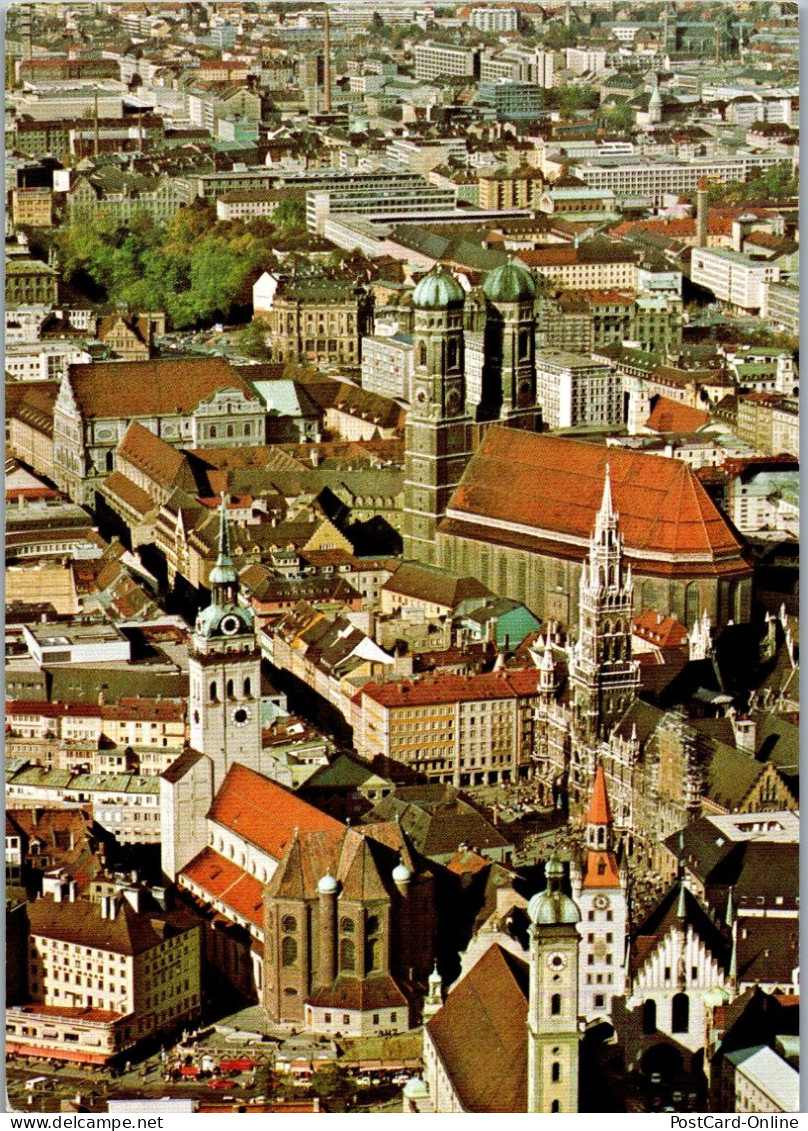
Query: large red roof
x,y
549,487
151,388
223,880
452,688
264,813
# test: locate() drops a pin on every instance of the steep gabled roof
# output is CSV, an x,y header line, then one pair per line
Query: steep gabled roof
x,y
155,458
223,880
548,487
481,1037
599,812
264,813
665,917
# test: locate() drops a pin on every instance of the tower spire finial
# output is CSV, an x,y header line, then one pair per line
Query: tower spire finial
x,y
224,575
224,533
606,507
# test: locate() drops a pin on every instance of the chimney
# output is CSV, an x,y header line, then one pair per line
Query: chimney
x,y
701,213
134,897
745,734
109,906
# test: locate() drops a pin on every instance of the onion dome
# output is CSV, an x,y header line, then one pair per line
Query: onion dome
x,y
551,906
401,873
327,885
437,290
511,282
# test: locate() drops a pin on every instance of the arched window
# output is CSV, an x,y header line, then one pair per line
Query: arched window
x,y
555,1004
422,353
691,604
451,354
554,1106
556,1072
229,431
524,344
346,925
373,944
601,836
213,433
110,461
229,689
213,689
288,952
247,686
347,954
649,1016
289,924
680,1013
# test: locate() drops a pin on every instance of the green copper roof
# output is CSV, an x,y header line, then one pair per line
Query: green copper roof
x,y
437,290
509,283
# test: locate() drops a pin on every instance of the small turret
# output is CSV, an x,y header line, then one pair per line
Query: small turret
x,y
434,995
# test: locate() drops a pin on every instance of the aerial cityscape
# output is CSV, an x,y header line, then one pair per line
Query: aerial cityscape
x,y
402,571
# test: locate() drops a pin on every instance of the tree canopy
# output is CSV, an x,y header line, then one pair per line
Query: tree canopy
x,y
194,268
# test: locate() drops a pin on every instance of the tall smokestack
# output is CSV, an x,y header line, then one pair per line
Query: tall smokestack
x,y
327,62
701,213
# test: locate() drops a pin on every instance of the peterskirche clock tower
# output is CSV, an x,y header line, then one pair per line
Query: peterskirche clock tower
x,y
553,1030
225,672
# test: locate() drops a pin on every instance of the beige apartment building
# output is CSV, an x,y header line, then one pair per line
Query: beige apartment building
x,y
465,730
103,976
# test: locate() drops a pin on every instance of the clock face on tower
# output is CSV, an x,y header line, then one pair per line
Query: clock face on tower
x,y
556,960
601,901
453,403
241,716
230,625
421,396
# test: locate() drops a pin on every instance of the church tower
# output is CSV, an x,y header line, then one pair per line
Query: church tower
x,y
225,672
509,368
603,677
437,432
599,890
552,1012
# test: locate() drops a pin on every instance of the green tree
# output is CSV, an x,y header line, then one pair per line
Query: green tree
x,y
253,340
617,116
289,218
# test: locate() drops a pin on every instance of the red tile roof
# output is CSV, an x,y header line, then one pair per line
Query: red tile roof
x,y
600,870
223,880
551,487
119,485
452,688
664,631
481,1036
155,710
670,416
264,813
150,388
151,455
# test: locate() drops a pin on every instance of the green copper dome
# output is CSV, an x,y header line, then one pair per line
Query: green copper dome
x,y
437,290
552,907
509,283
